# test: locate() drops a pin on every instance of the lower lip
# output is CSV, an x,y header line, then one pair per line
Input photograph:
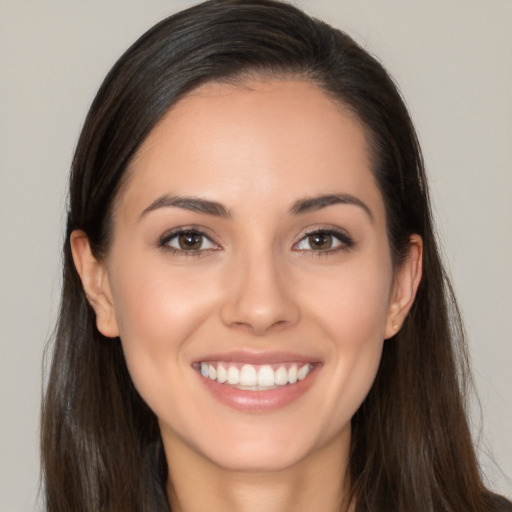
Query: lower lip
x,y
259,401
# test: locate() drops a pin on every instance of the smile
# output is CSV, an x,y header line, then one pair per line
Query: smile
x,y
257,382
250,377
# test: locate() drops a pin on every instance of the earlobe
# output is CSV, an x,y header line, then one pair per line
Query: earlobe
x,y
407,280
95,281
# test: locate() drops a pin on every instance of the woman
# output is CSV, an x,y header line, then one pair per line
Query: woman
x,y
253,304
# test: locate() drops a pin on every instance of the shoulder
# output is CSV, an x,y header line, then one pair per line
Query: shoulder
x,y
501,504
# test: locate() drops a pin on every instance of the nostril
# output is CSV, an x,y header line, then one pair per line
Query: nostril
x,y
257,299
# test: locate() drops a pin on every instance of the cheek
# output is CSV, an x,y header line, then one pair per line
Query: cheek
x,y
154,302
158,312
351,309
359,317
352,302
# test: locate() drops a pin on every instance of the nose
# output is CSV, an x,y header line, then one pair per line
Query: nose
x,y
258,296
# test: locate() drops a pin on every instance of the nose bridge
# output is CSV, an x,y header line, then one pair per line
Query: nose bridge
x,y
258,293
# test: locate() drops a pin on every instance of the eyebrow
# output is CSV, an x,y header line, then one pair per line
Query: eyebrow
x,y
216,209
310,204
194,204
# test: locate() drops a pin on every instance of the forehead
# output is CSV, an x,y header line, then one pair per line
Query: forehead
x,y
224,141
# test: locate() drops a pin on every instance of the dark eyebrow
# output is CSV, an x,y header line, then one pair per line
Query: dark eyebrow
x,y
195,204
309,204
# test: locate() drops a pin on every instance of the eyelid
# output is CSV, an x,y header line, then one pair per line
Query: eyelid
x,y
346,241
163,240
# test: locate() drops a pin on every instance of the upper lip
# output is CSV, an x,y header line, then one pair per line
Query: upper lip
x,y
257,358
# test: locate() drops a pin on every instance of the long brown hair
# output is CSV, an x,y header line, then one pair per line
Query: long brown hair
x,y
411,445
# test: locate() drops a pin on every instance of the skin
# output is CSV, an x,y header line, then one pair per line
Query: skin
x,y
257,284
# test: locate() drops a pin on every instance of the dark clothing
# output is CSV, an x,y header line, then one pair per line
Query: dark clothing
x,y
502,504
156,470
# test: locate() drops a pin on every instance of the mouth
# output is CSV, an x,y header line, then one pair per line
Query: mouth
x,y
250,377
257,383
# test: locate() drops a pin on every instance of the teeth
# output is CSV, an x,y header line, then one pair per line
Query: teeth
x,y
255,377
281,376
248,375
266,376
222,374
301,374
292,375
233,375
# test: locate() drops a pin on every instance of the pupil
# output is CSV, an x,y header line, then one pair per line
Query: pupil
x,y
190,241
320,241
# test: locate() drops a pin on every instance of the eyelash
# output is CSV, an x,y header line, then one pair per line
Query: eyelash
x,y
345,242
168,237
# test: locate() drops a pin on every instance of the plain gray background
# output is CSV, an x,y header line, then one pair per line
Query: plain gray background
x,y
453,61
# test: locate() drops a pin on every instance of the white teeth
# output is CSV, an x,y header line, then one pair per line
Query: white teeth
x,y
266,376
248,375
255,377
233,375
222,374
292,375
301,374
281,376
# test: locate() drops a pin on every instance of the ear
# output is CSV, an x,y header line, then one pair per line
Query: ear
x,y
407,280
94,277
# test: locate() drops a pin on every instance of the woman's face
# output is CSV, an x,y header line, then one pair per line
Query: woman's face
x,y
249,275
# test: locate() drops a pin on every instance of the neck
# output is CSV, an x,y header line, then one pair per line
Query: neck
x,y
318,483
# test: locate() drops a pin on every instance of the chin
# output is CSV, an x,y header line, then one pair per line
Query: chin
x,y
266,449
257,460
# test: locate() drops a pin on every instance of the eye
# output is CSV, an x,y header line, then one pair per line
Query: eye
x,y
188,241
324,240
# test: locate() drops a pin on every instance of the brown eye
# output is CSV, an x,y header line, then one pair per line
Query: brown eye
x,y
320,241
324,240
190,241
